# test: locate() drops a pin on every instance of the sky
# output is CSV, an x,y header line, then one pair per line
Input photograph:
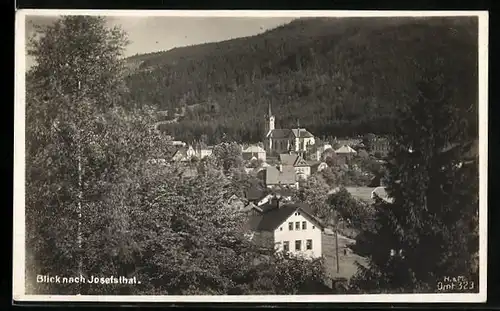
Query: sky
x,y
151,34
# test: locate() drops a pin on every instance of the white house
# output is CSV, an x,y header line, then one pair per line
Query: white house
x,y
283,140
184,154
289,227
254,151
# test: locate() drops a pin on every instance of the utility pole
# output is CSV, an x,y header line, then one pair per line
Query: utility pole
x,y
337,248
336,226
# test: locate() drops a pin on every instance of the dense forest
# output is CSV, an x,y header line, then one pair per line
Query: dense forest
x,y
336,76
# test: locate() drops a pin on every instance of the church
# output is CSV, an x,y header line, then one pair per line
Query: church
x,y
278,141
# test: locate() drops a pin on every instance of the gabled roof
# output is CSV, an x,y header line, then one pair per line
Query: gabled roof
x,y
302,133
273,217
254,149
292,160
280,133
345,149
301,162
286,177
180,153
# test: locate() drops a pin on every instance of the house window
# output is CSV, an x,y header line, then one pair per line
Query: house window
x,y
298,245
309,244
290,226
304,225
281,228
297,225
286,246
314,227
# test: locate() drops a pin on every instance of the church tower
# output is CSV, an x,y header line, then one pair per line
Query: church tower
x,y
269,124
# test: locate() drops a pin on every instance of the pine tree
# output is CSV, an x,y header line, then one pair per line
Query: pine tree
x,y
428,229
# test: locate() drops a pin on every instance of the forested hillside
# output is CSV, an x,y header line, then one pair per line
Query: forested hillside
x,y
338,77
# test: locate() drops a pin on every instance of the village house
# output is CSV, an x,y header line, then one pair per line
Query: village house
x,y
284,195
368,194
281,177
351,142
254,194
345,152
252,152
380,145
317,151
183,154
290,228
301,167
317,166
202,150
283,140
177,143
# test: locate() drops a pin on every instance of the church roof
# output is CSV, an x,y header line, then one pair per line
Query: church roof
x,y
280,133
302,133
290,133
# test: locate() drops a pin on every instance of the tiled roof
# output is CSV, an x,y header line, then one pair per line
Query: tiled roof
x,y
254,149
280,133
273,217
292,160
288,159
285,177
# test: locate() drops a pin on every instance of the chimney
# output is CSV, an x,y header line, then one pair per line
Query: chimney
x,y
277,199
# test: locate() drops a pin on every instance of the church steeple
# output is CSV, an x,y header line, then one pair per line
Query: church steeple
x,y
269,124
